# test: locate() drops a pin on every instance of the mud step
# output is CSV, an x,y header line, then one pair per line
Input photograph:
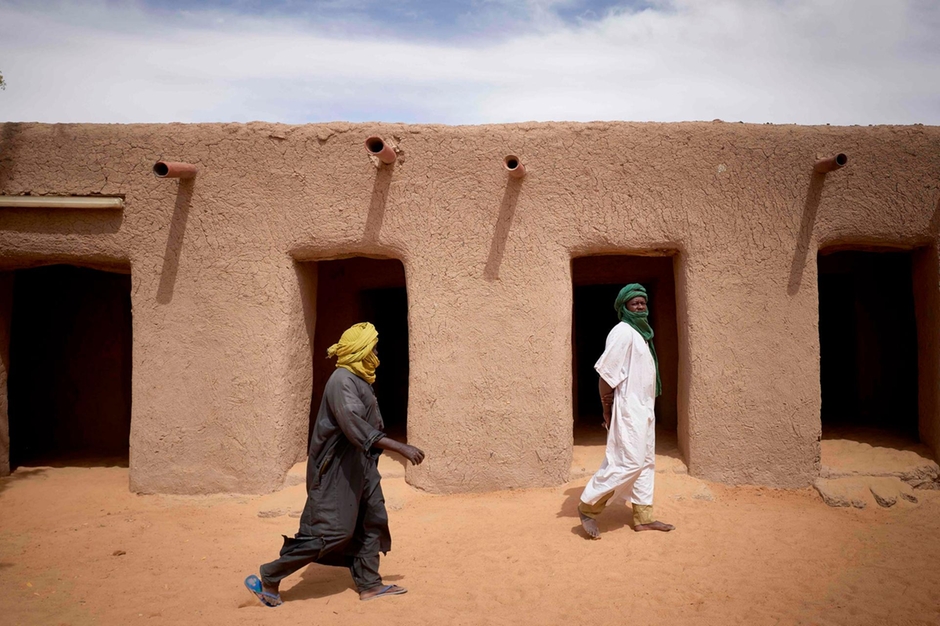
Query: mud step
x,y
862,491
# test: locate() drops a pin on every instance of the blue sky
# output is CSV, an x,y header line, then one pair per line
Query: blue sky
x,y
471,61
462,20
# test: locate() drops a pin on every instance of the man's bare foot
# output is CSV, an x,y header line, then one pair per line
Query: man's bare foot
x,y
381,591
657,525
273,590
590,526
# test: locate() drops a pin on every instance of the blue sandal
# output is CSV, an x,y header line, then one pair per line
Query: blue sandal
x,y
253,583
387,590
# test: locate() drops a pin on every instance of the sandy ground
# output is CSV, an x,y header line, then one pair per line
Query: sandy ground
x,y
77,548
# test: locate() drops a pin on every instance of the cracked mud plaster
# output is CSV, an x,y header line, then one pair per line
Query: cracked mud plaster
x,y
222,363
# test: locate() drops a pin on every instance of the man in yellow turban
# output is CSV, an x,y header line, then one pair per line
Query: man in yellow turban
x,y
356,351
344,522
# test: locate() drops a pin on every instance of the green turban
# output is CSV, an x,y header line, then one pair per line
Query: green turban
x,y
639,321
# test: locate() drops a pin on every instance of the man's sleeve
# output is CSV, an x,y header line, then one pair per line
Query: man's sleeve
x,y
346,404
614,364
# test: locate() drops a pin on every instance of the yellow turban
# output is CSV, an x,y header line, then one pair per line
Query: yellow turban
x,y
354,351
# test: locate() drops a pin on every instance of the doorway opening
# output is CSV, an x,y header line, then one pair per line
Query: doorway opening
x,y
361,289
596,281
70,359
868,344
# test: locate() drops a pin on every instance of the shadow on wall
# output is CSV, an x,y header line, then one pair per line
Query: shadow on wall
x,y
507,209
807,222
376,216
174,242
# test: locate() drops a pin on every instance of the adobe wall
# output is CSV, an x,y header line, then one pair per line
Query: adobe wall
x,y
221,365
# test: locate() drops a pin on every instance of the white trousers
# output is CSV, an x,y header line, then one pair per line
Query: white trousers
x,y
629,465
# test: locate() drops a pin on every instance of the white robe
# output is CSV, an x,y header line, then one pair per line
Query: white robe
x,y
629,464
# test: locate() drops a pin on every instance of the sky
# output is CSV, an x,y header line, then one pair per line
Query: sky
x,y
837,62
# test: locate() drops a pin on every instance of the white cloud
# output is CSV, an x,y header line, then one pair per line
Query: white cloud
x,y
802,61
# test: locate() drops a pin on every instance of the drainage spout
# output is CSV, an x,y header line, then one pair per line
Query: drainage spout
x,y
514,166
831,164
172,169
377,147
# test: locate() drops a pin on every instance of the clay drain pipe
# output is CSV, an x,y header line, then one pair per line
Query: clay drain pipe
x,y
830,164
377,147
173,169
514,166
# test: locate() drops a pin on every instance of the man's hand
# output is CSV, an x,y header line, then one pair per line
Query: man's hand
x,y
413,454
606,393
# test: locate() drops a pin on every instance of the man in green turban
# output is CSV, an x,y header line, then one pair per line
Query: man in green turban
x,y
629,384
344,521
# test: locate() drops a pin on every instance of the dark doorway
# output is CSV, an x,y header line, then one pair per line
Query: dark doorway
x,y
596,282
70,367
868,342
356,290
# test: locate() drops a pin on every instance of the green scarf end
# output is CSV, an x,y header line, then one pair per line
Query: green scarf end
x,y
639,322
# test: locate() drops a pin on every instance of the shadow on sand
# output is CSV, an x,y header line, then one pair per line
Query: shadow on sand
x,y
877,438
615,517
76,460
320,581
589,443
21,473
